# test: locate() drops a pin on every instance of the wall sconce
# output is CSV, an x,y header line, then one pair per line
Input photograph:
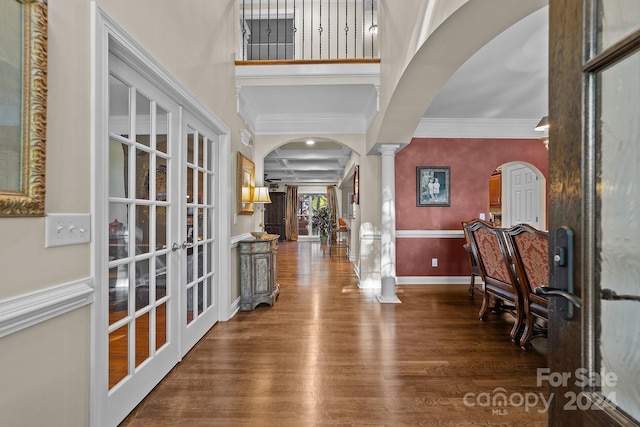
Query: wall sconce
x,y
259,198
543,126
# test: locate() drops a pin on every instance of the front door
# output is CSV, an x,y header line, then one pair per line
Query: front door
x,y
594,152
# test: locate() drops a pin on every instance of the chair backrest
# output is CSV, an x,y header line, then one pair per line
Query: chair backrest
x,y
529,248
467,245
489,248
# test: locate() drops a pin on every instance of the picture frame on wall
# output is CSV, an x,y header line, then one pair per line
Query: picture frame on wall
x,y
433,186
246,181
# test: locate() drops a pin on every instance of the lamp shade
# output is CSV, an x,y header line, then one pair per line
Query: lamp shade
x,y
261,195
543,124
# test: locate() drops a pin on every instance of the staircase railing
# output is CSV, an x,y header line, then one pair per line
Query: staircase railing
x,y
308,30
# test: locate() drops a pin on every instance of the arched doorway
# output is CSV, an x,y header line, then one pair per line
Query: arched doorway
x,y
518,195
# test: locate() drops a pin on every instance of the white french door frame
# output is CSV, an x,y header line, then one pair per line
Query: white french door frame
x,y
108,37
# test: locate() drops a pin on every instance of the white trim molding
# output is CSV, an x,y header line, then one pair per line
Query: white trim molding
x,y
26,310
477,128
434,280
429,234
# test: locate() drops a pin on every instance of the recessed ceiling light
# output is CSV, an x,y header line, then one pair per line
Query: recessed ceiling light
x,y
310,142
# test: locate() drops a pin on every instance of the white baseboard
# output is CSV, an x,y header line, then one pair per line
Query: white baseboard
x,y
434,280
26,310
235,307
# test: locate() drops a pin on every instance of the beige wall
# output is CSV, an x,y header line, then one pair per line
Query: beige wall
x,y
44,369
44,372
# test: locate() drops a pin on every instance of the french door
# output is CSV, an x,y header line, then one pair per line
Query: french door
x,y
594,152
162,264
143,212
200,293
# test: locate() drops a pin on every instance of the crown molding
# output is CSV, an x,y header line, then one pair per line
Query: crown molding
x,y
477,128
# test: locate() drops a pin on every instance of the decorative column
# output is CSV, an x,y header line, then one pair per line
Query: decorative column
x,y
388,225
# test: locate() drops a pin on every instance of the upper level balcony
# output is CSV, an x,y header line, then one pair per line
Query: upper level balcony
x,y
285,31
308,66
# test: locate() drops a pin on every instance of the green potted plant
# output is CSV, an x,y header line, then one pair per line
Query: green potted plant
x,y
322,221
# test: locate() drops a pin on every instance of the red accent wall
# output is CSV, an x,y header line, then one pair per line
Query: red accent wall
x,y
472,161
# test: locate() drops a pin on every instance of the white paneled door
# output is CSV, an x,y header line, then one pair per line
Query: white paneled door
x,y
523,195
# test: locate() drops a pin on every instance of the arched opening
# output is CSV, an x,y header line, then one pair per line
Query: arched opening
x,y
320,171
518,195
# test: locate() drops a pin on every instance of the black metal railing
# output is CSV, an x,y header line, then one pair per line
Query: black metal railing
x,y
308,29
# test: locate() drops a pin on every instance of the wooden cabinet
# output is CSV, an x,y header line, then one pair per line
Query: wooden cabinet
x,y
258,271
495,191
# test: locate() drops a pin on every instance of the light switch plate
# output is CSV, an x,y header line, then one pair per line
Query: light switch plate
x,y
67,229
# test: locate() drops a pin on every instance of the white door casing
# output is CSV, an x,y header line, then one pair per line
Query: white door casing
x,y
117,53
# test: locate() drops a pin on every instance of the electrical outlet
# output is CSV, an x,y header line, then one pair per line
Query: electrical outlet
x,y
67,229
434,262
482,216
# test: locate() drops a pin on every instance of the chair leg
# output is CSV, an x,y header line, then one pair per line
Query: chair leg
x,y
525,338
520,320
472,285
485,306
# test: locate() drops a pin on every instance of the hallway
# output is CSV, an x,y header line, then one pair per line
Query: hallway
x,y
328,354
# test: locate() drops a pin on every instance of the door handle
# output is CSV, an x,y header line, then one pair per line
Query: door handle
x,y
175,247
186,245
555,292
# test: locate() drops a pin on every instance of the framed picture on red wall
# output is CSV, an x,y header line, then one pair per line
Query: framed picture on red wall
x,y
433,186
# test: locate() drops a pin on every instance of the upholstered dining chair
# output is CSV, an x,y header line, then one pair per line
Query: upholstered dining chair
x,y
500,283
473,262
529,249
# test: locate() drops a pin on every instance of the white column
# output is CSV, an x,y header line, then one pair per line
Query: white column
x,y
388,225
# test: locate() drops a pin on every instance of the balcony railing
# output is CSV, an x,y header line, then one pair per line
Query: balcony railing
x,y
294,30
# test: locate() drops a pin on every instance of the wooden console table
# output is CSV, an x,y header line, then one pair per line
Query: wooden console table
x,y
258,271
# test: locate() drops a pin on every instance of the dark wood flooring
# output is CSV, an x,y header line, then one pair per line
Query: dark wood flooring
x,y
328,354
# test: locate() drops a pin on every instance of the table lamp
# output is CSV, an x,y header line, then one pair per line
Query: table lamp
x,y
259,198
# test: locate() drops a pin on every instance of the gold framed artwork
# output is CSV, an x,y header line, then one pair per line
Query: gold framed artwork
x,y
246,181
23,93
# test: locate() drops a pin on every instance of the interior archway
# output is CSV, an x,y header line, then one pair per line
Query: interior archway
x,y
513,204
314,166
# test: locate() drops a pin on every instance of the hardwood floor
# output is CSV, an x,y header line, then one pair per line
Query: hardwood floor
x,y
328,354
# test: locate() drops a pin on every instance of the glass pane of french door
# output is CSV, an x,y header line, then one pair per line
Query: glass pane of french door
x,y
617,239
139,218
